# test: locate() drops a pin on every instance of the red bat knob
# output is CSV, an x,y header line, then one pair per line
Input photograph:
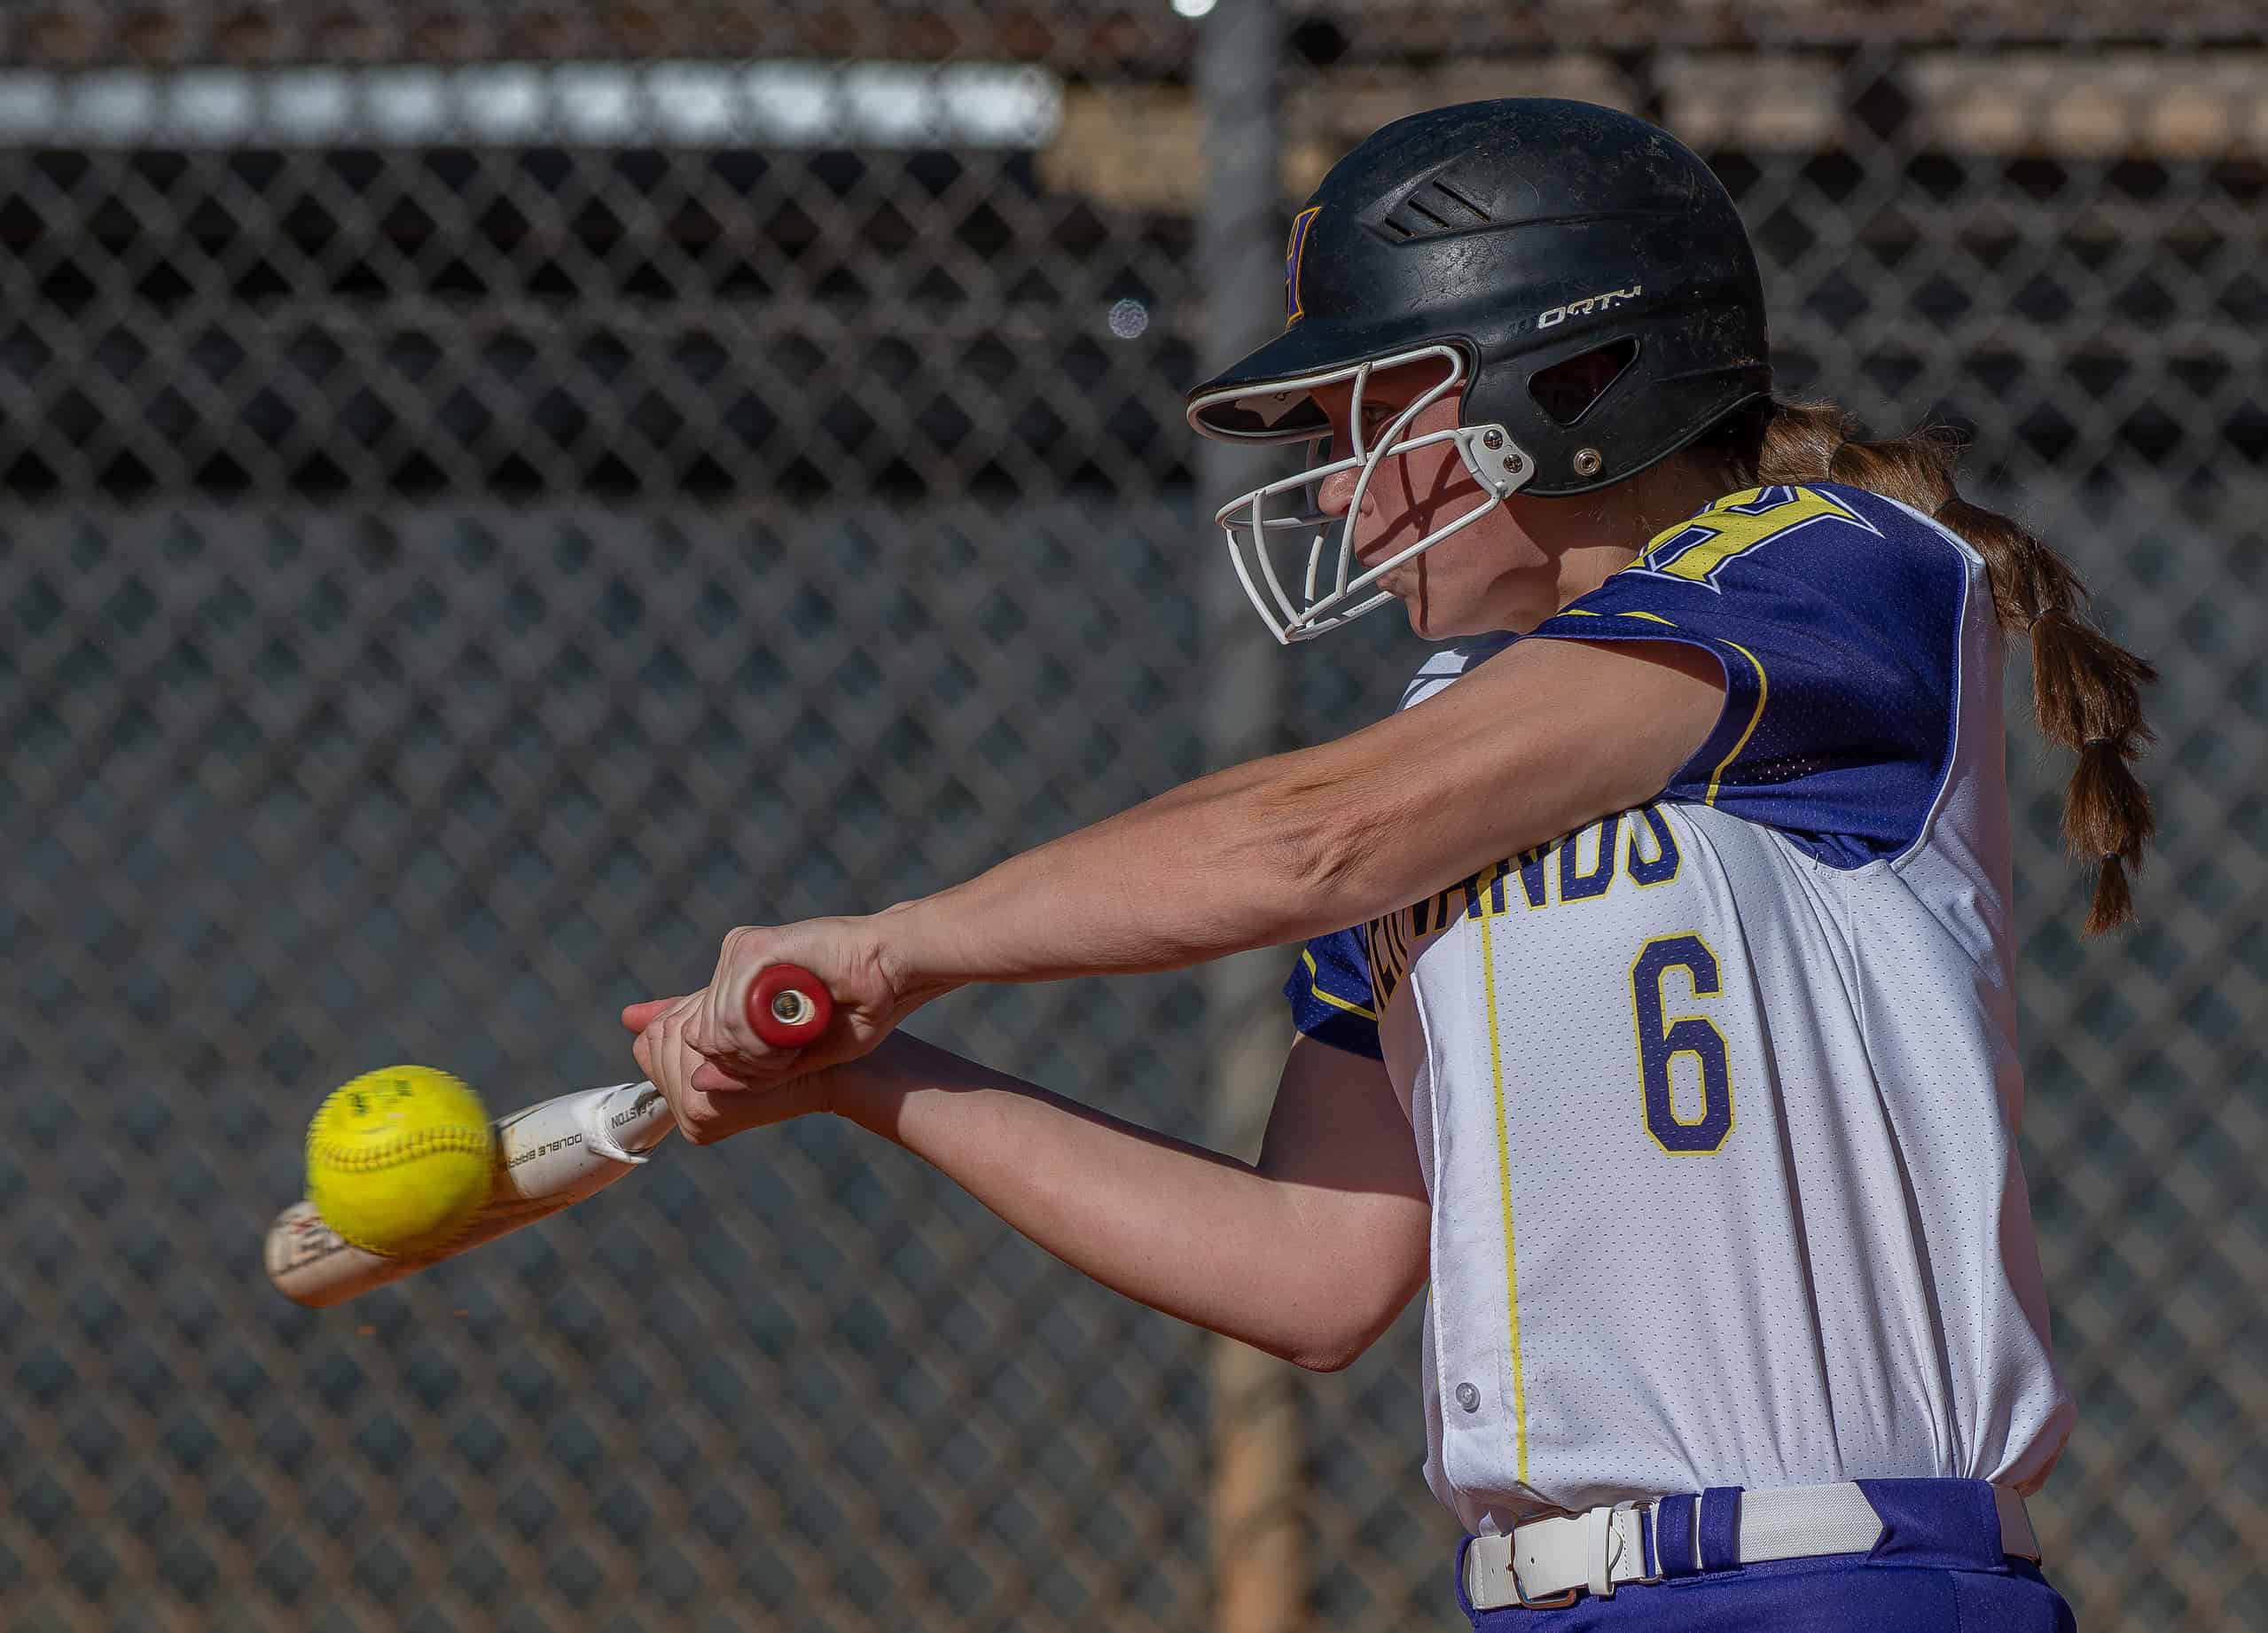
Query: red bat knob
x,y
789,1006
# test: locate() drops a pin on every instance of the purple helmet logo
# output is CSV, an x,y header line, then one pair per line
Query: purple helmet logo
x,y
1293,248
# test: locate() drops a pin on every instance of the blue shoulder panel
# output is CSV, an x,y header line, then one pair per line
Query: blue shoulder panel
x,y
1836,615
1330,993
1449,663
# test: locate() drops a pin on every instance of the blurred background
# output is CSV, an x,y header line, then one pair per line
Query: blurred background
x,y
495,493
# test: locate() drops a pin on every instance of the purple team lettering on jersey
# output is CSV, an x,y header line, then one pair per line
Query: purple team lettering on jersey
x,y
1834,613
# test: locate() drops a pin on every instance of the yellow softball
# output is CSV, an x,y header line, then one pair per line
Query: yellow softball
x,y
398,1160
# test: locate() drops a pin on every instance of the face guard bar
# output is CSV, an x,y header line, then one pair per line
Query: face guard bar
x,y
1257,522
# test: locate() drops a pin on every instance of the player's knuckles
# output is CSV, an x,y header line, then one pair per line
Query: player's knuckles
x,y
712,1032
697,1118
711,1041
737,958
716,1033
706,1119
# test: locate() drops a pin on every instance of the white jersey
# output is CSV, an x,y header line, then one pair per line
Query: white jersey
x,y
1717,1099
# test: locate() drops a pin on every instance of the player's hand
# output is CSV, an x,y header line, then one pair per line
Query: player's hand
x,y
671,1064
847,955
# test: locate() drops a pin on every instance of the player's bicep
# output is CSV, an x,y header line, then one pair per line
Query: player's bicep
x,y
1340,1143
1669,697
1543,738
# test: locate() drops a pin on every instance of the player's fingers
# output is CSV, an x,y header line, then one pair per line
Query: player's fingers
x,y
710,1078
668,1066
640,1015
722,1031
655,1057
696,1119
842,954
686,1078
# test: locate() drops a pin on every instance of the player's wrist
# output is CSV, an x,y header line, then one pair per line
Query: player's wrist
x,y
908,952
869,1091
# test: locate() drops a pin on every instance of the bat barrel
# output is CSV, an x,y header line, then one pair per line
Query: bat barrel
x,y
547,1157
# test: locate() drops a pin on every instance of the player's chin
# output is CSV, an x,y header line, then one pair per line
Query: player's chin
x,y
1431,622
1409,584
1409,589
1409,602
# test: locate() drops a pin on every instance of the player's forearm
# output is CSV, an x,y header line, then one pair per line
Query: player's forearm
x,y
1248,857
1304,843
1183,1229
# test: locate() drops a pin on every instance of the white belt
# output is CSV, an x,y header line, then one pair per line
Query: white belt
x,y
1601,1548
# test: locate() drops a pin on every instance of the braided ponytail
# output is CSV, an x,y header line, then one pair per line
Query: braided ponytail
x,y
2086,687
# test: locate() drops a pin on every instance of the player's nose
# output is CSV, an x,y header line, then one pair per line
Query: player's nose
x,y
1335,492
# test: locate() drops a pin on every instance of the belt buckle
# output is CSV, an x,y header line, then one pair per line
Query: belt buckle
x,y
1557,1602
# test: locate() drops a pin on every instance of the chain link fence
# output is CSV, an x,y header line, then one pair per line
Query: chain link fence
x,y
493,497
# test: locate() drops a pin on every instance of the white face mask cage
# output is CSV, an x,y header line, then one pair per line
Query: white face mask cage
x,y
1330,590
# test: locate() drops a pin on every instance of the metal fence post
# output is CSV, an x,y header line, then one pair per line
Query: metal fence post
x,y
1259,1566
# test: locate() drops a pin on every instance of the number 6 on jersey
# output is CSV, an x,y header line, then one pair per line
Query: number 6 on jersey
x,y
1659,1045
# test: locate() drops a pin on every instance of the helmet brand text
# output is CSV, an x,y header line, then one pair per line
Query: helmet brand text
x,y
1599,303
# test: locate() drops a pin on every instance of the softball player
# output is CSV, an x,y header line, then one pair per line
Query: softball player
x,y
1669,914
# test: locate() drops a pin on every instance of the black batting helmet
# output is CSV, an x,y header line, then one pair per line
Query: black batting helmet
x,y
1500,239
1524,231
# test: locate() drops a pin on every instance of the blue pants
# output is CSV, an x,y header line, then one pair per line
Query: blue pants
x,y
1935,1570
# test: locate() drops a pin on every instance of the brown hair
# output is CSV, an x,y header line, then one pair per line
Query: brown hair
x,y
2086,687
